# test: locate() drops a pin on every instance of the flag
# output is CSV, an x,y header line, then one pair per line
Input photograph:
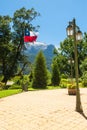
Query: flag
x,y
29,36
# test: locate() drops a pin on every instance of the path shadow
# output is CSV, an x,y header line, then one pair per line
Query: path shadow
x,y
82,113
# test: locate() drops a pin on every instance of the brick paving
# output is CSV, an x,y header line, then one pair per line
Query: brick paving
x,y
42,110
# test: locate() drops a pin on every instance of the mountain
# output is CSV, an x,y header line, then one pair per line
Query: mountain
x,y
32,50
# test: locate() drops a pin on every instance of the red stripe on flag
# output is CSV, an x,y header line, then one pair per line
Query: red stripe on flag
x,y
30,38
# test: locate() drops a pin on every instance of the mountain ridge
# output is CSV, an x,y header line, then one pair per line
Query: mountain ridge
x,y
32,50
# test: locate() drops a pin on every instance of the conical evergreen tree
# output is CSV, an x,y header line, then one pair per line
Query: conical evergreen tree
x,y
55,74
40,72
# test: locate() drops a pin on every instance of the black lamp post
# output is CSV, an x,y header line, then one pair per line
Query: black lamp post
x,y
74,32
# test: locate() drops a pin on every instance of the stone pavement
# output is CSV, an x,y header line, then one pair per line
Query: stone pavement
x,y
42,110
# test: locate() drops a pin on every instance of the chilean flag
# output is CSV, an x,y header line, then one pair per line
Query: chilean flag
x,y
29,36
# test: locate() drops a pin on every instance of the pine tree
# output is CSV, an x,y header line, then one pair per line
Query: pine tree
x,y
55,74
40,72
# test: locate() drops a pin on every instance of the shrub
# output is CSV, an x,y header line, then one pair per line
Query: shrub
x,y
71,86
64,76
16,78
15,86
1,85
84,79
84,83
64,80
19,82
62,85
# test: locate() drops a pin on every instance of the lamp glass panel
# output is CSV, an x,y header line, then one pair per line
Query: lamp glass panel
x,y
79,36
69,31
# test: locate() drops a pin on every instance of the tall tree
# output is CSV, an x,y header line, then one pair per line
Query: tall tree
x,y
65,55
22,19
40,72
5,45
14,52
55,74
83,65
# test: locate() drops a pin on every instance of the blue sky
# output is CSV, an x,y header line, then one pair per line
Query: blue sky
x,y
55,15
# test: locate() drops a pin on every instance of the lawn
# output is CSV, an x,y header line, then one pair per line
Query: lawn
x,y
5,93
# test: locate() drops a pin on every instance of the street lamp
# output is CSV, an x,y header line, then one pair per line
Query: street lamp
x,y
74,32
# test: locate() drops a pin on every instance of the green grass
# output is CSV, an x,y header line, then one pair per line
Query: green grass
x,y
9,92
5,93
52,87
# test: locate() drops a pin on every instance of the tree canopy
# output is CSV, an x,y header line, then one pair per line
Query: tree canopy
x,y
65,54
12,40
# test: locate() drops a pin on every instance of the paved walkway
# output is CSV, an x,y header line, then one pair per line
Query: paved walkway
x,y
42,110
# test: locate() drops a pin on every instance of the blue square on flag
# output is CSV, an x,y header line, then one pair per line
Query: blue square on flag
x,y
29,36
27,33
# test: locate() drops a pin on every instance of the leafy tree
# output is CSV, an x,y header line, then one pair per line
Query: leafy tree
x,y
62,62
67,48
21,20
83,68
31,76
66,53
84,79
13,42
55,74
40,72
83,65
5,46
